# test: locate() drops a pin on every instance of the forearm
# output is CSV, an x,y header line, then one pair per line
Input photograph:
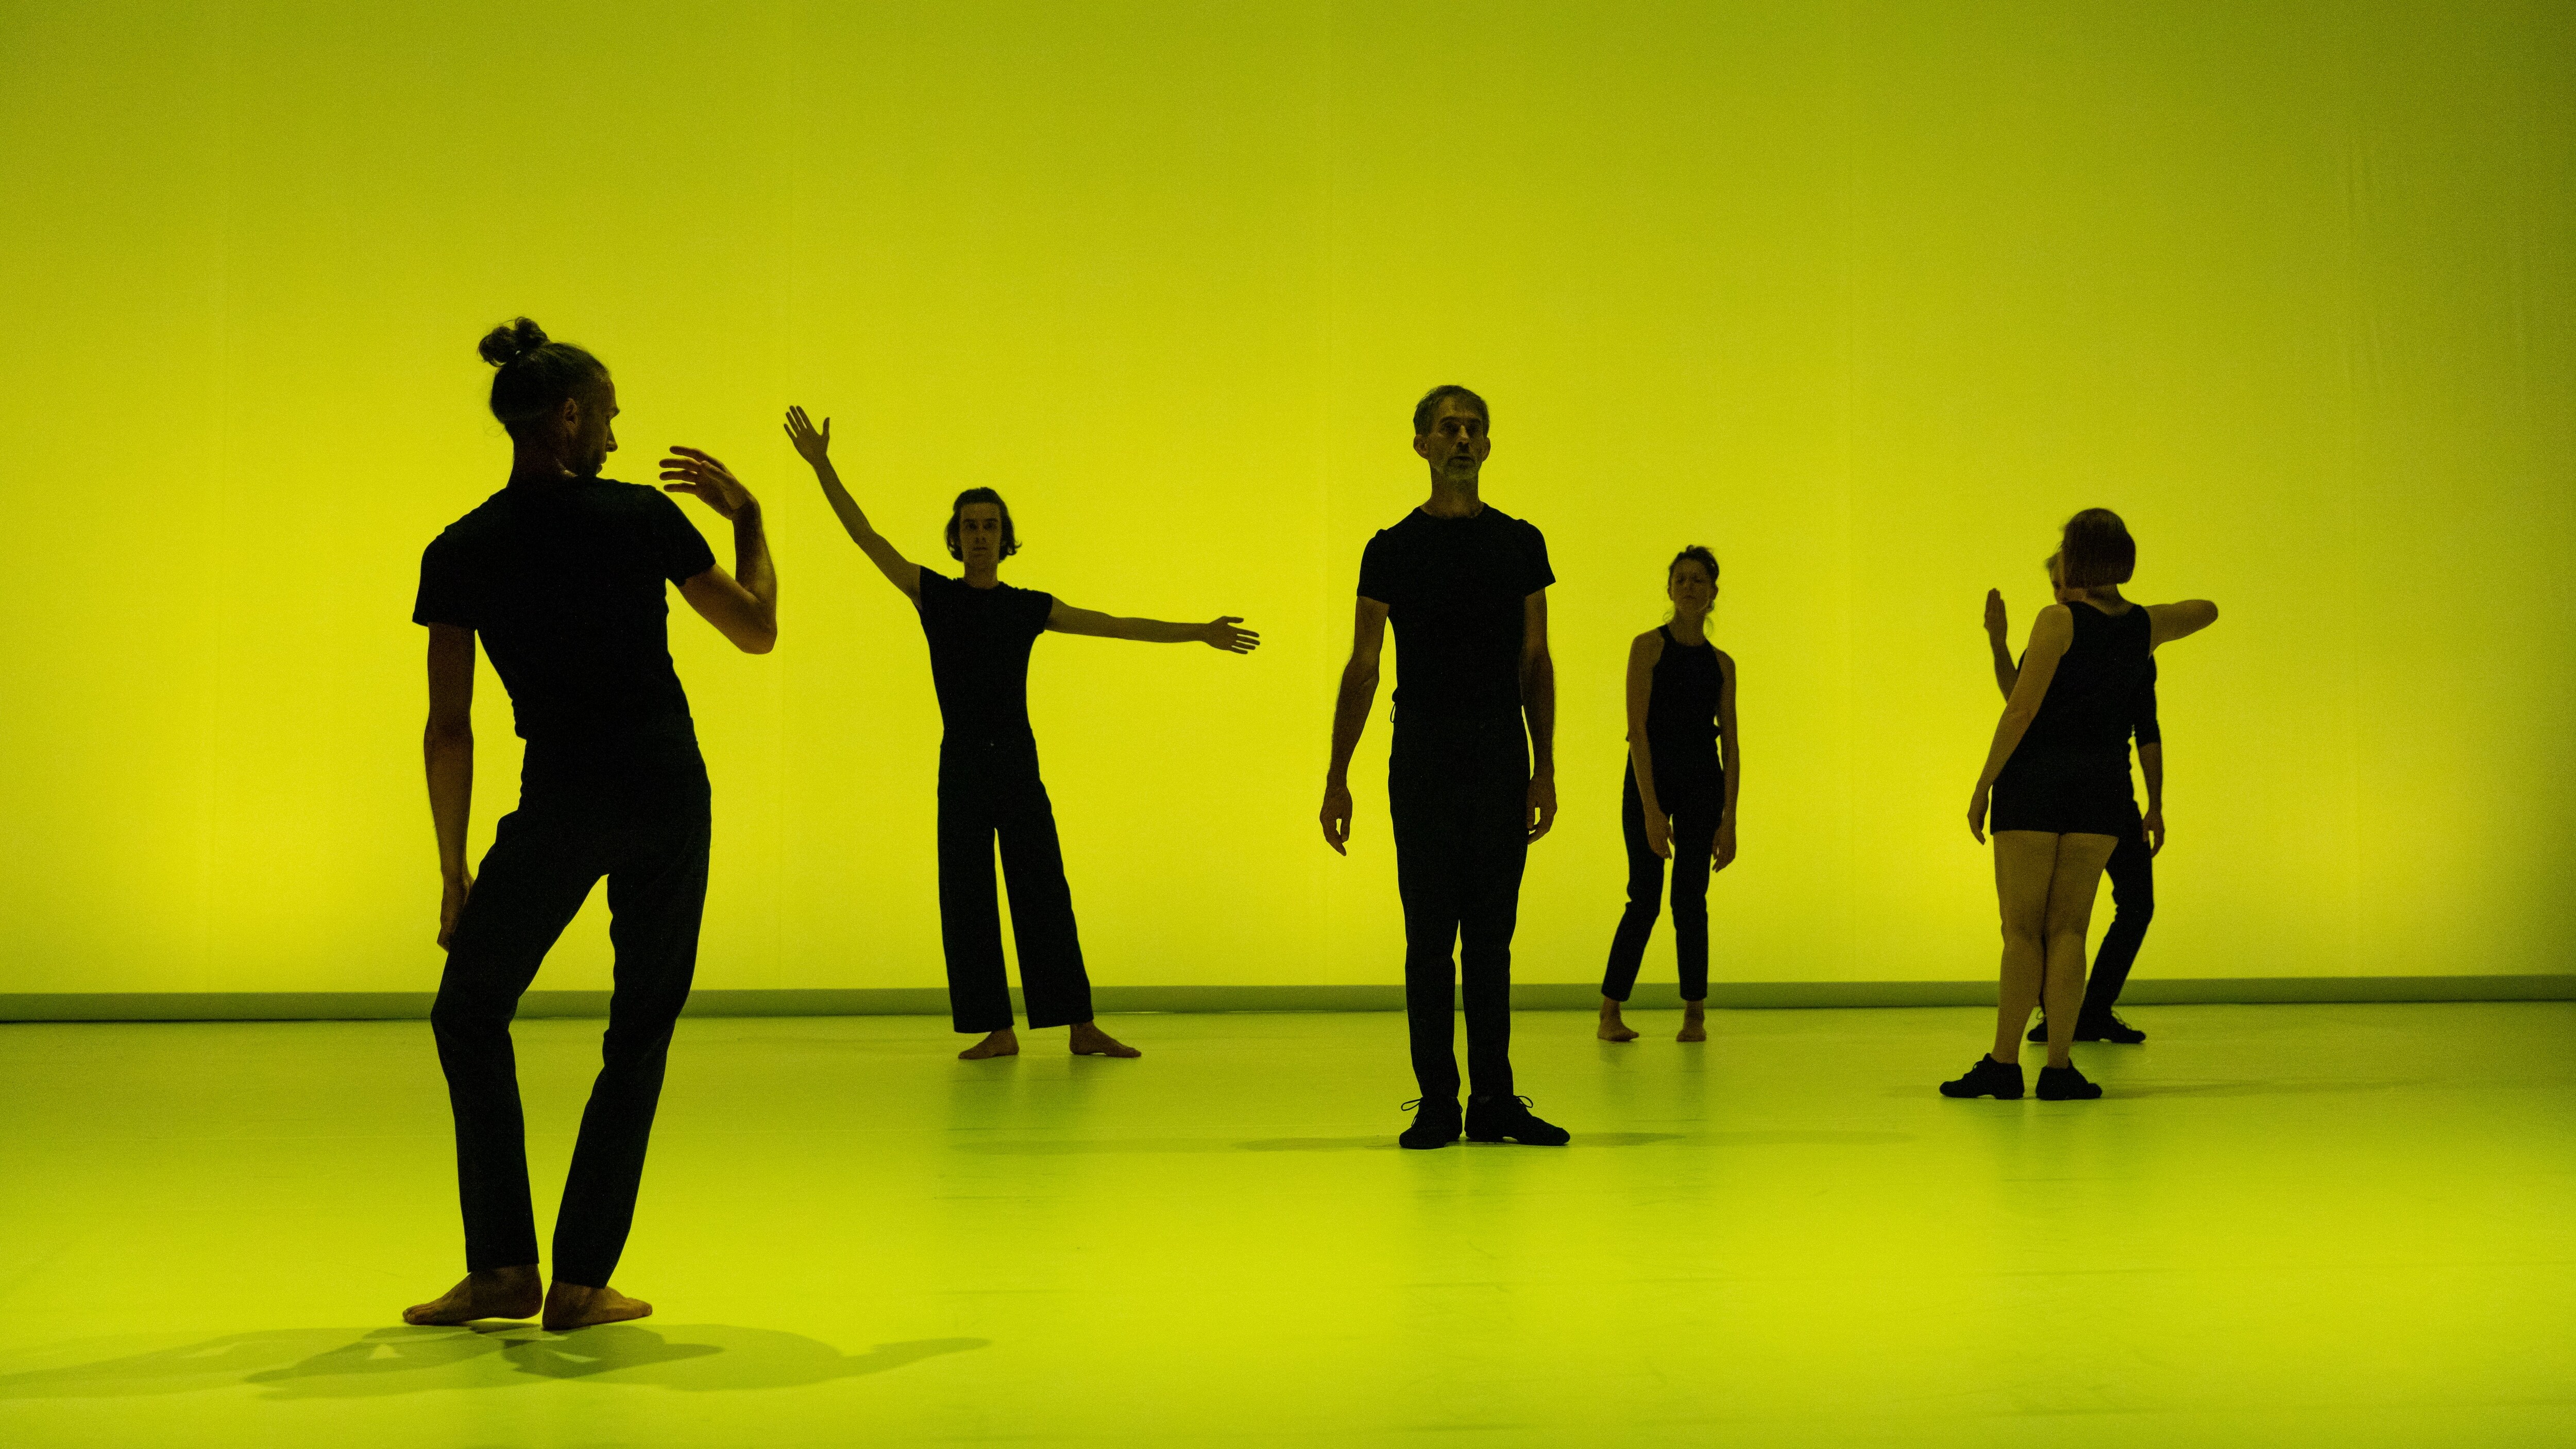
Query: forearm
x,y
2151,763
2008,733
2006,672
751,565
1641,768
448,755
1731,764
1156,631
1350,717
1538,702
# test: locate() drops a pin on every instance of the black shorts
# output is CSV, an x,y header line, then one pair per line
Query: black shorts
x,y
2064,794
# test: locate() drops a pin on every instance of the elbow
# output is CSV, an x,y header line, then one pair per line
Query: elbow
x,y
759,641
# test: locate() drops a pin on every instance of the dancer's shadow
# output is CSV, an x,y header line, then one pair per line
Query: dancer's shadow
x,y
325,1363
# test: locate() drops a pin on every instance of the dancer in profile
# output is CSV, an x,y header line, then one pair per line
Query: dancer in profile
x,y
560,575
2132,868
1677,799
1471,780
2057,778
980,630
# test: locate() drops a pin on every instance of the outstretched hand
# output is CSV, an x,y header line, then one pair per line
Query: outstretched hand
x,y
813,447
1336,816
1221,634
1996,625
708,481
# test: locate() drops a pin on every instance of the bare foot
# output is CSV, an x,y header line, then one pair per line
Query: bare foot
x,y
570,1305
1694,1025
1000,1044
492,1293
1613,1029
1090,1041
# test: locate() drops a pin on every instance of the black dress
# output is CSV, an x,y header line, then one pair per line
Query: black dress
x,y
2070,773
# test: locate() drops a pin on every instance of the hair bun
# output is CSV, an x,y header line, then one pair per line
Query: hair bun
x,y
511,341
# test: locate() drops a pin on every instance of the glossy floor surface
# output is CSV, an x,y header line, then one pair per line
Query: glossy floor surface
x,y
2286,1225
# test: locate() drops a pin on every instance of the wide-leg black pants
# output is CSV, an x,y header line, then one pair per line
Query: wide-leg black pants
x,y
2132,873
1458,792
989,788
646,830
1696,807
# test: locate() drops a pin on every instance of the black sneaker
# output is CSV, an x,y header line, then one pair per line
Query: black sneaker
x,y
1435,1124
2107,1027
1493,1119
1988,1078
2039,1031
2065,1084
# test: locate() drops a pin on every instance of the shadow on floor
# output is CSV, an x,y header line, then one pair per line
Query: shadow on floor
x,y
340,1363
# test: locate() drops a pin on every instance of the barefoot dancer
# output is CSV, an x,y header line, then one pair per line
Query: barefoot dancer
x,y
1677,798
561,575
1467,588
2132,871
2057,775
980,630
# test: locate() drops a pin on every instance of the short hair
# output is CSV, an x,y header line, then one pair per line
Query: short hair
x,y
1431,401
536,374
1699,551
957,510
2096,550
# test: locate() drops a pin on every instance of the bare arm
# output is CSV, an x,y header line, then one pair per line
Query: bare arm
x,y
815,448
2151,763
1350,717
1643,652
1730,759
1218,633
1538,704
447,752
2168,622
743,605
2050,635
1997,628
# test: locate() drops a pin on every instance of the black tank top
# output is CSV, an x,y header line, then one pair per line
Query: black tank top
x,y
1681,714
2092,700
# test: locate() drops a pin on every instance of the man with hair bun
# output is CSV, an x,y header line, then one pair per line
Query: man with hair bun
x,y
1471,780
560,576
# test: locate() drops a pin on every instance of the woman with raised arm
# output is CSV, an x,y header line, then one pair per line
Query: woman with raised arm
x,y
980,630
1677,799
2057,778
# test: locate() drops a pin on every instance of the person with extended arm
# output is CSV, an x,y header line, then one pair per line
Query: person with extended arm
x,y
980,631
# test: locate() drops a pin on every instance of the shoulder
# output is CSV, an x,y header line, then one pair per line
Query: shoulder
x,y
460,538
1649,645
1725,662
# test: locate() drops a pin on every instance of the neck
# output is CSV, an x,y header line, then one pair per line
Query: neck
x,y
536,463
1453,500
982,575
1690,628
2108,594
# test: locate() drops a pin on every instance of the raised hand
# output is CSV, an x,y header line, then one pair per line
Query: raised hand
x,y
813,447
1221,634
1995,622
708,481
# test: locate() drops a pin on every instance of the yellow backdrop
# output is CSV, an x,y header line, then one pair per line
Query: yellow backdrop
x,y
1868,298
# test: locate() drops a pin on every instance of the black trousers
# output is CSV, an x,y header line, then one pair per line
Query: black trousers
x,y
646,830
2132,872
1458,792
989,788
1696,808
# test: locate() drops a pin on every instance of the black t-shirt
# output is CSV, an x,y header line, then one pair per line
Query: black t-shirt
x,y
564,583
1454,589
979,653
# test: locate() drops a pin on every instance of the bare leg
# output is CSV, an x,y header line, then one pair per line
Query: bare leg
x,y
1694,1021
570,1305
2024,862
492,1293
1088,1040
2077,876
1612,1028
999,1044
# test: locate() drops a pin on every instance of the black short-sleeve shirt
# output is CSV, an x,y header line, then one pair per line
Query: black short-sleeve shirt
x,y
979,653
563,581
1454,589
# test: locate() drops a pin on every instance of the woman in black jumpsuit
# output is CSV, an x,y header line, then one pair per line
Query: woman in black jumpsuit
x,y
1677,798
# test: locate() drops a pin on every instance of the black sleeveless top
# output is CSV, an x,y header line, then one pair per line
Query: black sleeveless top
x,y
1681,714
2092,700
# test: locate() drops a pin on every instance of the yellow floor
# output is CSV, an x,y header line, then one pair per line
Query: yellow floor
x,y
2286,1225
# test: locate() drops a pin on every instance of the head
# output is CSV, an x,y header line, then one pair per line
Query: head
x,y
1450,427
1690,581
552,397
2056,565
979,529
2094,552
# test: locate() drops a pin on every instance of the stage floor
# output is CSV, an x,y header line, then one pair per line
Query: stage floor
x,y
2286,1225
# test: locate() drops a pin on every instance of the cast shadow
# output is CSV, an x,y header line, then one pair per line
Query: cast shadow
x,y
1386,1142
329,1363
